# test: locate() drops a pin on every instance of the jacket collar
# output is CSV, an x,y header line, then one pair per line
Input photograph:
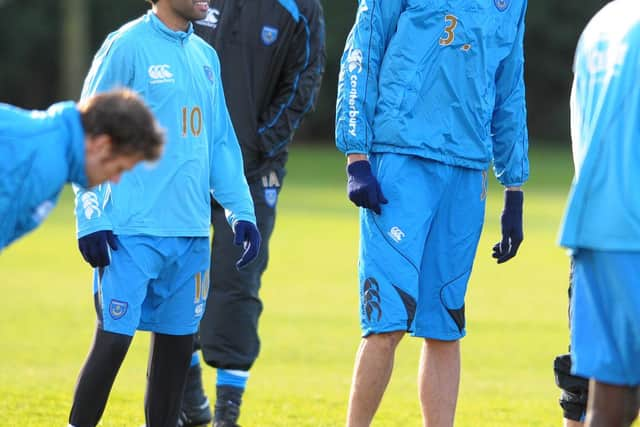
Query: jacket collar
x,y
158,25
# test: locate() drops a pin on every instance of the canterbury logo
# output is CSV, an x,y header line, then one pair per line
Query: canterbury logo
x,y
396,234
90,205
354,60
213,16
371,299
160,72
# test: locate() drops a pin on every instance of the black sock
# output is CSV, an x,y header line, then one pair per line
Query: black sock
x,y
96,377
169,360
228,401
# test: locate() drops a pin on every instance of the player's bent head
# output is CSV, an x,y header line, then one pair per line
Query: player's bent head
x,y
120,131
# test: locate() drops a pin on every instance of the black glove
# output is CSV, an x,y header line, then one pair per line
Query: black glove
x,y
247,235
363,188
94,247
511,221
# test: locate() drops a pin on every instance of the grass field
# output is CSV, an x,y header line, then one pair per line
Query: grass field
x,y
516,315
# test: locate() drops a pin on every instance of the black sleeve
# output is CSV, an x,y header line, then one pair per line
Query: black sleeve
x,y
297,89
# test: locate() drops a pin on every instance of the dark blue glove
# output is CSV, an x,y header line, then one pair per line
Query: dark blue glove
x,y
363,188
247,235
511,221
94,247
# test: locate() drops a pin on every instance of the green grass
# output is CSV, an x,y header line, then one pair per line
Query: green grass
x,y
516,316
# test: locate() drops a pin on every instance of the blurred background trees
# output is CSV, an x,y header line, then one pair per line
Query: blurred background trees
x,y
46,48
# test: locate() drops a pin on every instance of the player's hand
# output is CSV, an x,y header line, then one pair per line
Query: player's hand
x,y
94,247
363,188
511,221
247,235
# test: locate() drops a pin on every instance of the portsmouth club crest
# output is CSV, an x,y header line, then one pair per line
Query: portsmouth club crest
x,y
117,309
269,35
209,73
502,5
271,196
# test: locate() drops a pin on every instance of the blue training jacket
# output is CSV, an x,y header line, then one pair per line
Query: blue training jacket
x,y
40,151
603,210
178,75
437,79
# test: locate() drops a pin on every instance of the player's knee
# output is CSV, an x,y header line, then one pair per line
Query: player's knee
x,y
385,341
112,344
575,390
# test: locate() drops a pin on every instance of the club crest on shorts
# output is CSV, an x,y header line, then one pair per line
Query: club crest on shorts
x,y
502,5
271,196
117,309
269,35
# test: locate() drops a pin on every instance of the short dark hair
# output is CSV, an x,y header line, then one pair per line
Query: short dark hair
x,y
124,116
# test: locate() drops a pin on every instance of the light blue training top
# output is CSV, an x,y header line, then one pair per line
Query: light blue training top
x,y
603,210
437,79
40,151
178,75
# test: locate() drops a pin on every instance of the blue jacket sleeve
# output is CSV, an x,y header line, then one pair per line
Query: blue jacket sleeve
x,y
90,209
227,182
509,124
111,68
359,70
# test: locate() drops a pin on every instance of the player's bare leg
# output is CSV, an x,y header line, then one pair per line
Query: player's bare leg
x,y
374,363
571,423
611,406
438,382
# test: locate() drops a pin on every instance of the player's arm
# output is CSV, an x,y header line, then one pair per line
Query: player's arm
x,y
360,65
111,67
297,89
509,123
510,144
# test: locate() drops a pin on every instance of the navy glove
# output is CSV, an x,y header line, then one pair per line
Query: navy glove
x,y
363,188
93,247
511,221
247,235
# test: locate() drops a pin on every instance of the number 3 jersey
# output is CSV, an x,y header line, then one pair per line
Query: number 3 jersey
x,y
438,79
178,75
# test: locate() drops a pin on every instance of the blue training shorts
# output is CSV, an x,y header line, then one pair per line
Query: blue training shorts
x,y
605,323
416,257
157,284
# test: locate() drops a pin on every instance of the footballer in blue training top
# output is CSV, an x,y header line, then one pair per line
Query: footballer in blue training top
x,y
82,143
601,226
149,234
431,93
